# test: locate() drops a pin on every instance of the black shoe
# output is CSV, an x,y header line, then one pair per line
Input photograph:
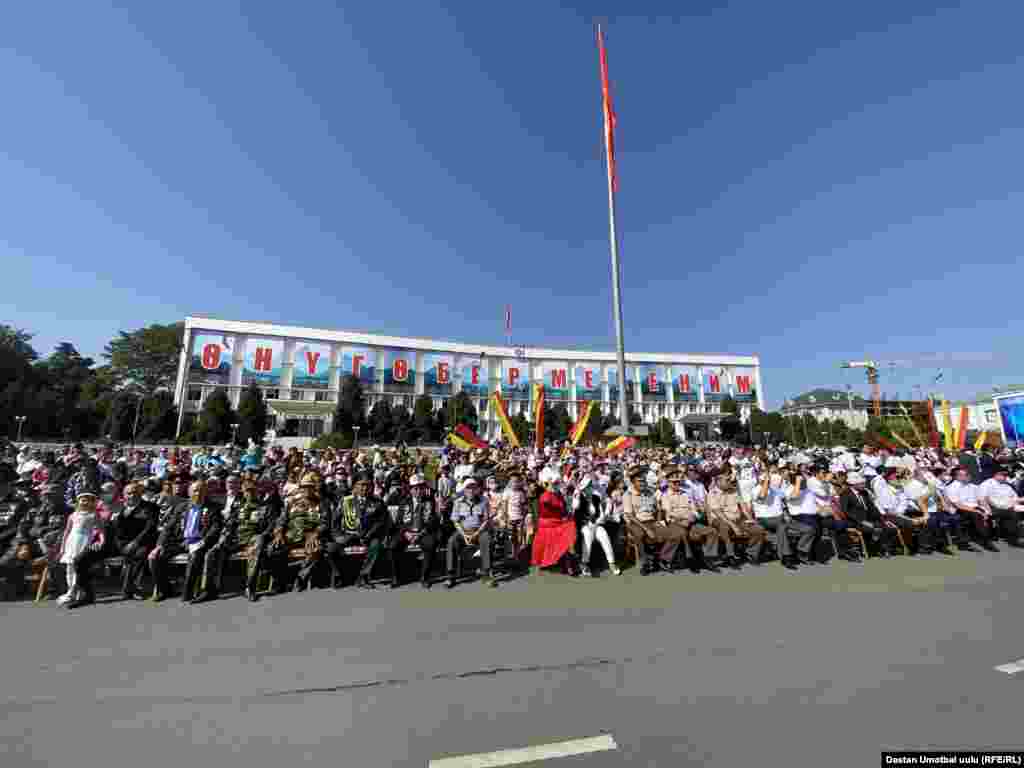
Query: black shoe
x,y
665,566
159,597
966,546
365,583
204,597
426,584
692,565
299,585
80,601
395,585
712,565
451,583
250,595
648,568
805,559
734,562
128,595
990,547
790,563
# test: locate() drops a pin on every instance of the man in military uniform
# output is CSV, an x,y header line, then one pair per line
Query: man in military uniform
x,y
15,542
261,536
471,516
645,521
684,513
361,518
308,514
731,518
134,531
417,522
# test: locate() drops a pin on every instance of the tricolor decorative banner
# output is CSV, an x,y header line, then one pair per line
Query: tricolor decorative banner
x,y
457,442
470,436
618,445
581,424
961,434
933,427
506,425
538,415
947,425
980,442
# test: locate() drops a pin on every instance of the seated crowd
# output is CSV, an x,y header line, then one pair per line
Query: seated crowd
x,y
308,518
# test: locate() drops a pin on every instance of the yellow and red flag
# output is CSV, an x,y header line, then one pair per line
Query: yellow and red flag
x,y
609,112
962,432
947,426
538,414
469,436
580,427
457,442
618,445
506,425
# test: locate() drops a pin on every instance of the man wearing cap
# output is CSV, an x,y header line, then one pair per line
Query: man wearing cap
x,y
684,516
363,519
261,536
134,529
998,497
645,521
308,518
963,495
471,516
417,523
861,513
727,515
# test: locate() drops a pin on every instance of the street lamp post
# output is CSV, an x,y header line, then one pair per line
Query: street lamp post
x,y
355,445
234,434
21,423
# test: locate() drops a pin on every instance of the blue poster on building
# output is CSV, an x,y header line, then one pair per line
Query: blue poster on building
x,y
359,362
211,358
312,365
437,376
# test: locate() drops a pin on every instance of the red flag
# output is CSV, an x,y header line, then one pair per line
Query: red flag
x,y
609,112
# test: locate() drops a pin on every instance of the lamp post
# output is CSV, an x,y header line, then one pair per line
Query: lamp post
x,y
355,445
234,434
21,423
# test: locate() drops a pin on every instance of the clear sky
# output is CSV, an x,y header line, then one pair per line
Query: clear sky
x,y
806,181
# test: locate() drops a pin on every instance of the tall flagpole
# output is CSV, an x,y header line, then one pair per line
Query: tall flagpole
x,y
609,128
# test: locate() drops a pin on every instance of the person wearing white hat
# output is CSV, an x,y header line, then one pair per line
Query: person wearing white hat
x,y
420,524
471,516
857,506
84,535
592,513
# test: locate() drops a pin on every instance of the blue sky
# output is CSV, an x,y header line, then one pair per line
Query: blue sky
x,y
809,182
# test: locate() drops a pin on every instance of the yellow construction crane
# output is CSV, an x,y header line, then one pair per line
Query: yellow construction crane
x,y
871,368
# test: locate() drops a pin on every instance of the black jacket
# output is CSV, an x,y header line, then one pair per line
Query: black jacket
x,y
859,510
136,526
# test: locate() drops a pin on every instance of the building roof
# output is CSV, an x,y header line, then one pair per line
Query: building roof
x,y
824,396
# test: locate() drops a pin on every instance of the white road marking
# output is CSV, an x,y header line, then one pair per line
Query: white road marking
x,y
1012,668
601,743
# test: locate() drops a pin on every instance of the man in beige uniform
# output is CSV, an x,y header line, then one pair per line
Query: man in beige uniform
x,y
681,512
726,514
645,522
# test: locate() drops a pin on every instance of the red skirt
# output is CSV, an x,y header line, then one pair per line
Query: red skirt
x,y
552,540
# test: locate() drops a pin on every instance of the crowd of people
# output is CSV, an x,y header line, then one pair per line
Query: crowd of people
x,y
339,515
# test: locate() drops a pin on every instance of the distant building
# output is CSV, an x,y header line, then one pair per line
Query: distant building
x,y
852,409
982,411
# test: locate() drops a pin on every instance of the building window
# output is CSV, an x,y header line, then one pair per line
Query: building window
x,y
298,395
323,397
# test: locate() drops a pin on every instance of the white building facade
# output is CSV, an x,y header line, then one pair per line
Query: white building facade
x,y
300,371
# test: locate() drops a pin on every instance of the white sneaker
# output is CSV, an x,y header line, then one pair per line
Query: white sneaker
x,y
616,571
585,570
64,599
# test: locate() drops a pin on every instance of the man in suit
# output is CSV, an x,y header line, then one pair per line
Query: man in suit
x,y
417,522
193,531
861,513
133,529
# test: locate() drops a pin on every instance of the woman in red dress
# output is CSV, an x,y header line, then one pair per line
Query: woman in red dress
x,y
555,537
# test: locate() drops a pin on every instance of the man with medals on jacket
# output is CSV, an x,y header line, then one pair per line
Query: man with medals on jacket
x,y
308,514
261,537
225,545
363,519
416,522
194,531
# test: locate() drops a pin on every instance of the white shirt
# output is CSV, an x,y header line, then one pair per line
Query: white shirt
x,y
965,494
806,503
696,491
822,495
885,497
915,490
998,494
871,461
771,506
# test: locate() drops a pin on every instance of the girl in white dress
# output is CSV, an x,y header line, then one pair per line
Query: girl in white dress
x,y
81,528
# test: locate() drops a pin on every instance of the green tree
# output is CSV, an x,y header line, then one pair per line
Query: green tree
x,y
215,419
351,410
379,422
664,434
66,373
145,361
402,421
252,415
729,405
460,410
521,426
557,422
423,423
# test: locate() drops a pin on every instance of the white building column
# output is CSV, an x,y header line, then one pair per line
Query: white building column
x,y
237,363
757,383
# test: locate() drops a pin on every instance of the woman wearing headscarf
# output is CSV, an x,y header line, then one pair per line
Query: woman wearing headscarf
x,y
555,539
592,513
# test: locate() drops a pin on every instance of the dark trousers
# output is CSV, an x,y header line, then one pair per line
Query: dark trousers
x,y
906,525
945,521
976,524
780,528
335,550
805,527
669,536
882,535
159,565
83,566
267,556
14,571
134,567
455,546
194,570
705,536
398,544
1008,522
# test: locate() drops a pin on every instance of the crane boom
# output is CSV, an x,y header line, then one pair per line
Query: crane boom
x,y
871,369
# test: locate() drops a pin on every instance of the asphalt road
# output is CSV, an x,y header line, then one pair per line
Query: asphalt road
x,y
833,663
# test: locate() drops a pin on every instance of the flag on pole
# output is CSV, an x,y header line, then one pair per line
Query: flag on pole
x,y
618,445
947,426
457,442
609,112
508,323
506,425
469,436
933,429
961,434
538,414
980,442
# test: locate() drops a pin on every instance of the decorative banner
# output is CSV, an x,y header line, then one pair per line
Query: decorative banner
x,y
359,362
715,385
684,383
743,389
588,382
580,427
211,358
312,365
437,378
556,381
399,370
618,445
1011,414
457,442
538,414
933,427
515,383
474,378
654,382
980,442
961,434
470,436
947,423
263,361
506,426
